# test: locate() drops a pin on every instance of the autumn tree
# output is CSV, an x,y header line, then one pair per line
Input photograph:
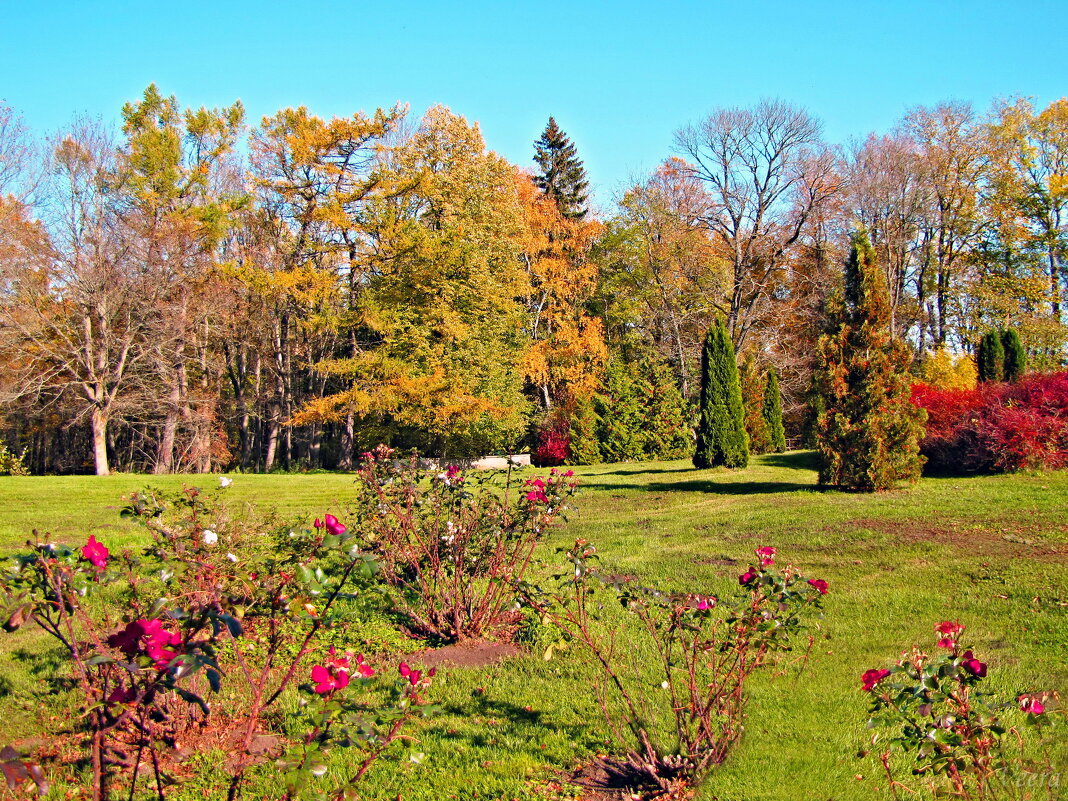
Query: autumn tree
x,y
77,306
661,279
561,175
319,184
721,438
179,208
440,323
766,171
867,430
567,346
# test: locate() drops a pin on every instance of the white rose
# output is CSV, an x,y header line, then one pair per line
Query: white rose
x,y
210,537
231,557
225,482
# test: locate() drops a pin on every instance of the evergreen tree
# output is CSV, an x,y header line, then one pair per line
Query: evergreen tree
x,y
1015,363
721,438
868,431
562,176
991,357
668,432
584,448
621,413
756,428
773,412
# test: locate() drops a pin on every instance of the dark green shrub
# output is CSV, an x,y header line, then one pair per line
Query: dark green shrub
x,y
991,357
773,412
721,438
1015,363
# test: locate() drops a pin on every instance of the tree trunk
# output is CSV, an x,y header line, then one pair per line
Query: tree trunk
x,y
100,441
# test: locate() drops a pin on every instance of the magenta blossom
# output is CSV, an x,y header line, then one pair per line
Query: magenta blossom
x,y
332,525
95,553
705,603
767,555
973,665
872,677
948,643
820,585
452,472
948,628
414,676
329,678
147,637
747,577
1031,705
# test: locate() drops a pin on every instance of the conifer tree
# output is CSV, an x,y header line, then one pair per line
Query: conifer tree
x,y
562,176
1015,356
583,448
756,428
868,431
991,357
620,413
773,412
668,431
721,438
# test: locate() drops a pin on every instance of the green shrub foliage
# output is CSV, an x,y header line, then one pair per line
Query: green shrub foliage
x,y
1015,363
756,427
668,431
991,357
773,412
721,438
584,447
621,413
868,432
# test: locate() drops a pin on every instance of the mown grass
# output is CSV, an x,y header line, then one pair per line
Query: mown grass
x,y
987,551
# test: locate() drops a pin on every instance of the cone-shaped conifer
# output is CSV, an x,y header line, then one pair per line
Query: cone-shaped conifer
x,y
868,431
773,412
721,438
1015,355
991,357
561,175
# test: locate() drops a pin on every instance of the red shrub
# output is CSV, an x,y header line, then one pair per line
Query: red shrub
x,y
997,426
553,445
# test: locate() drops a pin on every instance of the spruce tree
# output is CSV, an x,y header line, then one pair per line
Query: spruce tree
x,y
1015,363
721,438
562,176
868,431
756,428
991,357
773,412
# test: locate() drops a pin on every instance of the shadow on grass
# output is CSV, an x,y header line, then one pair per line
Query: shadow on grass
x,y
523,723
795,460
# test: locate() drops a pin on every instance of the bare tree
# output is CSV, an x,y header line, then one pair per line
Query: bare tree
x,y
886,193
77,322
766,170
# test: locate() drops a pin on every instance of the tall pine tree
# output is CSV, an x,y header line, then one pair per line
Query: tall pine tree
x,y
721,438
867,432
562,176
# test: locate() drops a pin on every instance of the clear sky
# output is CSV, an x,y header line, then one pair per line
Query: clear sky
x,y
620,77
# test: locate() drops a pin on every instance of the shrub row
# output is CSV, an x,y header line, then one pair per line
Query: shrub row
x,y
996,426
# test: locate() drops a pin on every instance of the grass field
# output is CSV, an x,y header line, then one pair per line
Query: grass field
x,y
991,552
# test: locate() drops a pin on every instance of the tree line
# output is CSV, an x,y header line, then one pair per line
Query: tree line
x,y
194,293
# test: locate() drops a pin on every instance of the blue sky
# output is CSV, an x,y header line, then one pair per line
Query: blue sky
x,y
619,77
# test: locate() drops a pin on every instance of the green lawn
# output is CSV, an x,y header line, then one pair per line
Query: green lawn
x,y
990,552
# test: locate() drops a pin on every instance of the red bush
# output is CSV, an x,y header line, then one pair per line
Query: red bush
x,y
553,445
997,426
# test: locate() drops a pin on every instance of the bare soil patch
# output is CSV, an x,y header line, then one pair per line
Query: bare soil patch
x,y
467,654
987,539
606,780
